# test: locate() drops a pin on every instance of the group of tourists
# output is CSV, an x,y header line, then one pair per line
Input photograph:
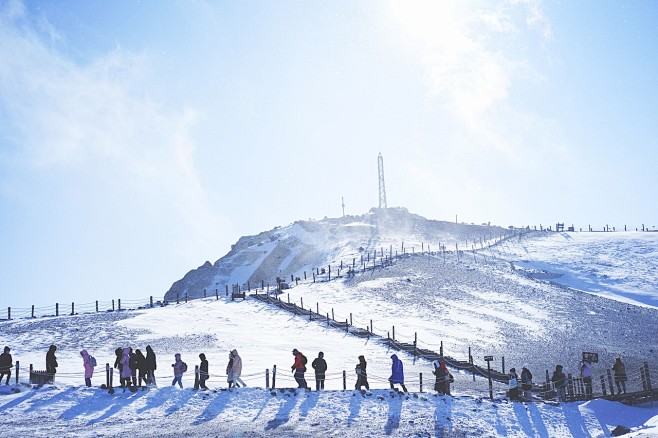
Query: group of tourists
x,y
560,381
319,365
136,368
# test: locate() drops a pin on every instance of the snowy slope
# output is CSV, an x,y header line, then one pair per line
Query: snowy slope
x,y
264,336
306,245
522,298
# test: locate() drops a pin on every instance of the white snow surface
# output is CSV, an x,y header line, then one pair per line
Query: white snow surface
x,y
526,313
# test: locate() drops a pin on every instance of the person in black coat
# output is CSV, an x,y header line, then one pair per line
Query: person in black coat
x,y
51,363
362,376
320,367
559,380
151,366
6,362
140,361
203,371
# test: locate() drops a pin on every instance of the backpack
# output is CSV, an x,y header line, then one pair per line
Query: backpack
x,y
304,360
184,367
92,361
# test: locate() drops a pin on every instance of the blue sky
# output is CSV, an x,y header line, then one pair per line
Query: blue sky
x,y
139,139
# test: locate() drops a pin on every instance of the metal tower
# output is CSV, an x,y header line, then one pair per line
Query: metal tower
x,y
382,187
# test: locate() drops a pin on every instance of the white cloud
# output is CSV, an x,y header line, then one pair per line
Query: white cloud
x,y
97,122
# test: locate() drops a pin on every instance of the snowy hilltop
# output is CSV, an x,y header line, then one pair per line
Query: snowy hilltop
x,y
306,245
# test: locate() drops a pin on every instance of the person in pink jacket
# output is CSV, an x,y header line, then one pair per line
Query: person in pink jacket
x,y
126,371
89,369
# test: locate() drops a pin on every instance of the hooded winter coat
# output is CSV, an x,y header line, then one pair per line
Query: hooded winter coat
x,y
89,370
126,371
237,363
178,366
150,359
397,370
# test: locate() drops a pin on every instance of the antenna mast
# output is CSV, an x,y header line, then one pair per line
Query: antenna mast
x,y
382,187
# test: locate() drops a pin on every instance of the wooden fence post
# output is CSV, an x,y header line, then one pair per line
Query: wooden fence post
x,y
18,368
344,380
421,382
31,371
119,301
185,297
72,309
112,305
394,333
217,294
97,306
32,310
151,301
56,309
267,378
274,377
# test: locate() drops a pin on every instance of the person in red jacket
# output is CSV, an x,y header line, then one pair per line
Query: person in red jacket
x,y
299,368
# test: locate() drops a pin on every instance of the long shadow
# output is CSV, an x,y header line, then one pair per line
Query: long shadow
x,y
523,418
443,416
56,398
161,396
308,404
537,421
214,408
17,401
355,408
180,400
283,415
574,420
394,412
117,403
262,408
86,406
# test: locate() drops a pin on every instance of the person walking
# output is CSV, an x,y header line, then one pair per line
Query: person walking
x,y
397,373
140,363
620,375
559,380
180,368
513,385
89,367
526,383
203,371
126,370
361,374
237,368
6,363
229,371
586,374
320,367
151,366
299,368
51,363
443,376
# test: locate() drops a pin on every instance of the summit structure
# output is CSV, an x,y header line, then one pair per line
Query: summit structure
x,y
382,186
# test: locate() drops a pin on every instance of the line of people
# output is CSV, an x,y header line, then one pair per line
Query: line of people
x,y
560,381
136,368
298,368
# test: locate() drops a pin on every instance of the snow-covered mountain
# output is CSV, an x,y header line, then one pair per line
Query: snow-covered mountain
x,y
536,298
307,245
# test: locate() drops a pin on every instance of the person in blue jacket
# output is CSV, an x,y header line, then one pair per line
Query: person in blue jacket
x,y
397,373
